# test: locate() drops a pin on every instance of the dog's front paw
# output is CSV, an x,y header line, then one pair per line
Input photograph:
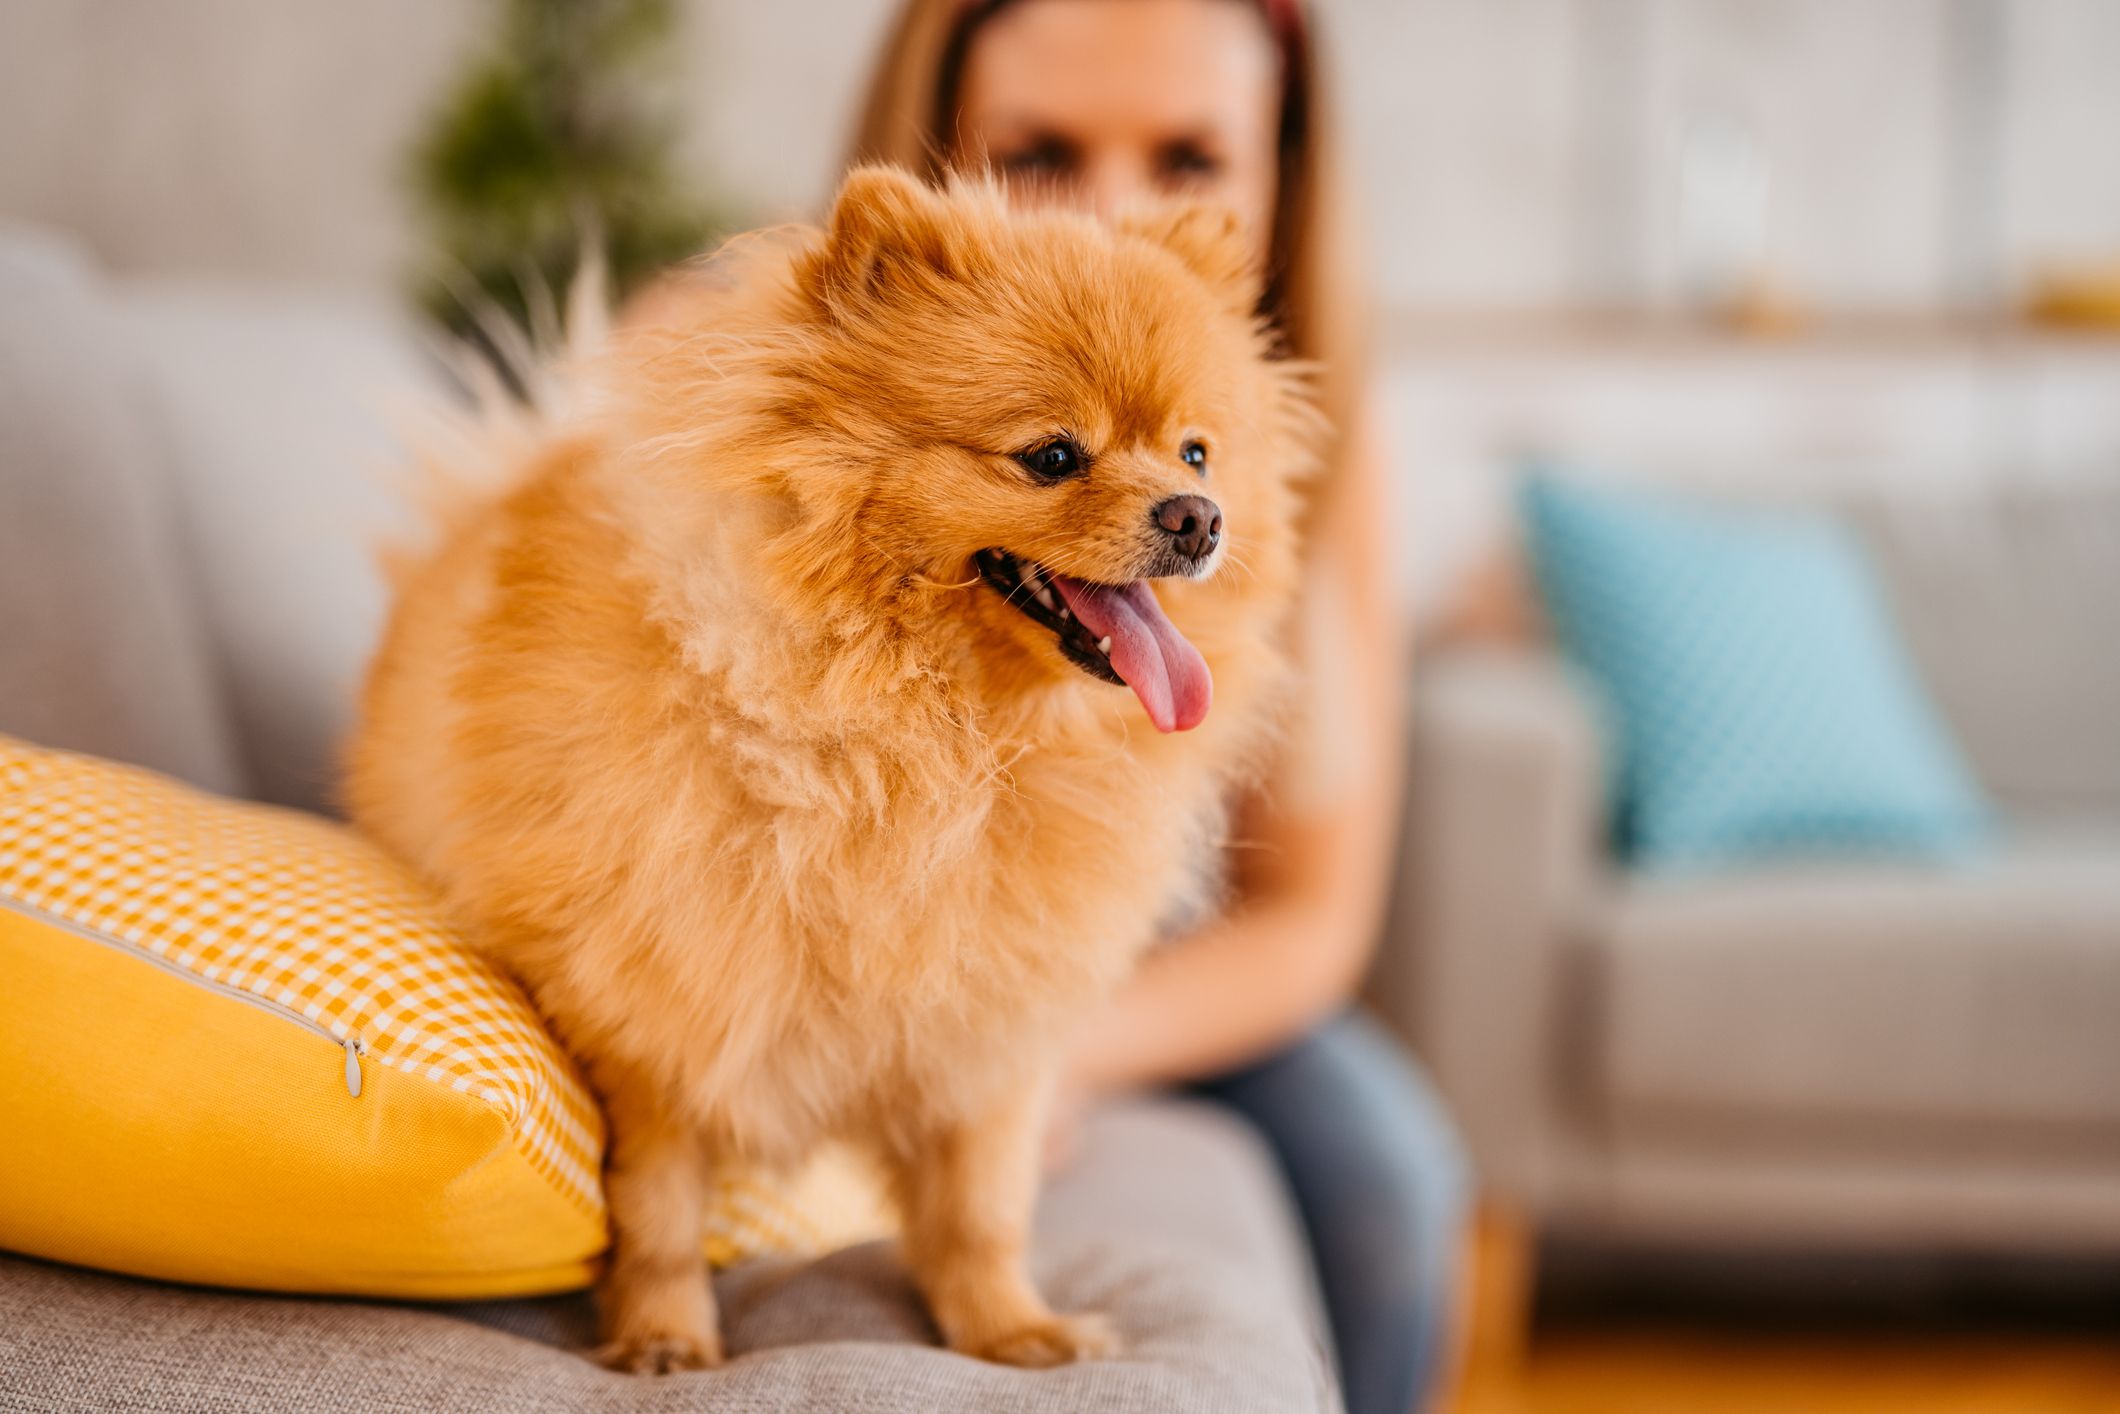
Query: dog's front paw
x,y
1053,1340
660,1352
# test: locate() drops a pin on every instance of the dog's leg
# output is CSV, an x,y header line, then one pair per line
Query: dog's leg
x,y
966,1192
657,1306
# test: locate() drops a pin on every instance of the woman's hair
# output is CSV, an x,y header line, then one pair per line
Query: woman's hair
x,y
1313,293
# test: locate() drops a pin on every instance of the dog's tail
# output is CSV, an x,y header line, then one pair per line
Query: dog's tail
x,y
517,366
516,383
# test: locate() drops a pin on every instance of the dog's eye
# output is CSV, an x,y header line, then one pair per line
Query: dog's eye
x,y
1194,455
1054,460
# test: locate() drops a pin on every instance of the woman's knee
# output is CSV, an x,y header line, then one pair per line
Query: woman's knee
x,y
1405,1108
1358,1127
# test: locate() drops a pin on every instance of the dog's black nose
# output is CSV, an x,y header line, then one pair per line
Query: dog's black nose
x,y
1193,523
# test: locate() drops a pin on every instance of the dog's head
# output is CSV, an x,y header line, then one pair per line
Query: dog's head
x,y
1078,428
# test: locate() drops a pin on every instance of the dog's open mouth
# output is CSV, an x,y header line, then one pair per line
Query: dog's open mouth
x,y
1117,632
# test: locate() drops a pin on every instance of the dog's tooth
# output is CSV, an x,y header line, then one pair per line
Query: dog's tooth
x,y
1104,645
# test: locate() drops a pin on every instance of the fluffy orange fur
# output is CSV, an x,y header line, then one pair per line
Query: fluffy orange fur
x,y
793,827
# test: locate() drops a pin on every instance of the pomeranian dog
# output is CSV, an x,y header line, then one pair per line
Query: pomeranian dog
x,y
818,721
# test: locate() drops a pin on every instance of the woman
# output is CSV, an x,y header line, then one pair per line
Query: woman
x,y
1108,104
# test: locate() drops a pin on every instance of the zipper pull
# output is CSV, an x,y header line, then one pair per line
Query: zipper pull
x,y
353,1066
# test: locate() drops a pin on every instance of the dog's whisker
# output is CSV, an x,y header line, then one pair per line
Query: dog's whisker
x,y
925,582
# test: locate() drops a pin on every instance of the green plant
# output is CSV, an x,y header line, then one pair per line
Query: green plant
x,y
560,134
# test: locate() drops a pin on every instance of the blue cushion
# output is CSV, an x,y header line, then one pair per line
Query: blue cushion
x,y
1759,697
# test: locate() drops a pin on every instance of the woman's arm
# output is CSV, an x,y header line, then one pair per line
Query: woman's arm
x,y
1315,857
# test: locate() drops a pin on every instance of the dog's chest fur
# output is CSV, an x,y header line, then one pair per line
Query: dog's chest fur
x,y
822,958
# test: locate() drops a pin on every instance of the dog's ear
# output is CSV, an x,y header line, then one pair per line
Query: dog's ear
x,y
1213,243
886,226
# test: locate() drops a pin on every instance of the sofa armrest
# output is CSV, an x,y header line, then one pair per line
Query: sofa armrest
x,y
1503,831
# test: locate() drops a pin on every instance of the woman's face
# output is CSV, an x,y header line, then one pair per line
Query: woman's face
x,y
1111,104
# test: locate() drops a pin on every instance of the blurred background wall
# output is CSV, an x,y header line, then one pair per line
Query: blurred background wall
x,y
1517,155
1880,183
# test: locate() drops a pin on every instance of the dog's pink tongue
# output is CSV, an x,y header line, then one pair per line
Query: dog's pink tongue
x,y
1165,671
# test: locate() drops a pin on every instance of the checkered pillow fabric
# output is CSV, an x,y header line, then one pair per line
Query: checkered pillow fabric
x,y
309,920
298,912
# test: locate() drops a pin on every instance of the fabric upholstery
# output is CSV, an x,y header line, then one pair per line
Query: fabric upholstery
x,y
1171,1219
1746,1185
1891,999
2010,603
103,648
288,477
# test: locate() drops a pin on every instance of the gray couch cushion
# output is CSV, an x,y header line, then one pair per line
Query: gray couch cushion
x,y
1172,1220
1867,999
101,645
278,407
2010,604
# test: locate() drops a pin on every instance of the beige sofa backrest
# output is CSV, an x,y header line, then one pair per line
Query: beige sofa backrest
x,y
195,482
2010,604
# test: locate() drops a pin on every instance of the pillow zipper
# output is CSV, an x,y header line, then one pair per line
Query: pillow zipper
x,y
351,1044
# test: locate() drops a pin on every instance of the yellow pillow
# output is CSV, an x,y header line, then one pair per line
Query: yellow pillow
x,y
237,1047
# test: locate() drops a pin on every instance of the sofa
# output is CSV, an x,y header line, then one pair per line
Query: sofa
x,y
192,484
1806,1057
